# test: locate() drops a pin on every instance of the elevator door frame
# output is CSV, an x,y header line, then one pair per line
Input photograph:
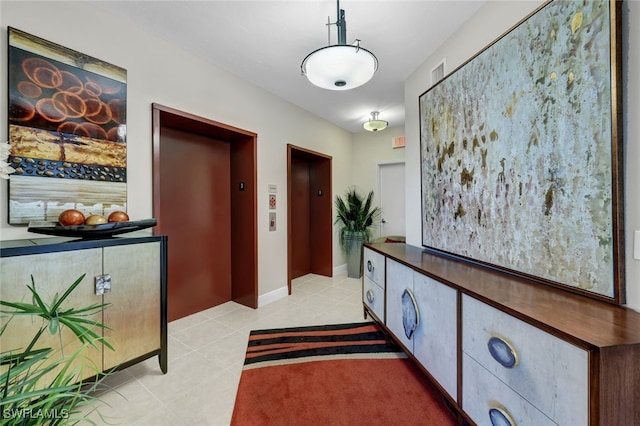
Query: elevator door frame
x,y
243,160
321,211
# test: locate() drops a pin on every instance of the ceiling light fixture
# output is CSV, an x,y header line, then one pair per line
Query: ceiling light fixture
x,y
340,66
374,124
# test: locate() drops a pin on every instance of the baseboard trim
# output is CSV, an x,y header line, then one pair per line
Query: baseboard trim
x,y
272,296
282,292
340,269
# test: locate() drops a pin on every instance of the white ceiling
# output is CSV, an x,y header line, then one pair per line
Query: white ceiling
x,y
265,41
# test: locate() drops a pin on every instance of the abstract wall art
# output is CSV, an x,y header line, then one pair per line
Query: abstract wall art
x,y
67,131
521,152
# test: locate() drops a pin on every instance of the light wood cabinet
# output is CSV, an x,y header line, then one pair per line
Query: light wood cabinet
x,y
134,314
52,273
136,270
506,350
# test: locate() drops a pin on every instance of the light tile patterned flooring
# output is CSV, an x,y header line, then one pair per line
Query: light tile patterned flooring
x,y
206,353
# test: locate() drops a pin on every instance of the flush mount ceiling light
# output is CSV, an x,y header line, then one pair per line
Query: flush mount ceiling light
x,y
340,66
374,124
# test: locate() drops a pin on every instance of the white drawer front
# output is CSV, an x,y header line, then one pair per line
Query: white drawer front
x,y
436,342
399,279
373,297
550,373
374,266
482,391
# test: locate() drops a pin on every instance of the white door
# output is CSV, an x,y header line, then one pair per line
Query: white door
x,y
391,188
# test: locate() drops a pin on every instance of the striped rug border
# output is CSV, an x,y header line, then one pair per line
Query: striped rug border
x,y
293,345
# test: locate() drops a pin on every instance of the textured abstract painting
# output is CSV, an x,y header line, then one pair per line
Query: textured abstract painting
x,y
67,131
518,151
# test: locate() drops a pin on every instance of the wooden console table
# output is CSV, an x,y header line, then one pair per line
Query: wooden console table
x,y
504,350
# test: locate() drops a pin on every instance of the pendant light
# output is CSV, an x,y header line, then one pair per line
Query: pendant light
x,y
340,66
374,124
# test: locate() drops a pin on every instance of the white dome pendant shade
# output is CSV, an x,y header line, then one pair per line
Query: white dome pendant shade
x,y
340,66
375,124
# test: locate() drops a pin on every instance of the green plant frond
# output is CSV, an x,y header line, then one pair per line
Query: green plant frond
x,y
82,319
54,301
22,308
84,334
18,367
54,324
106,344
77,417
37,298
33,341
40,358
5,325
69,373
66,294
36,379
13,356
355,214
25,396
63,390
88,310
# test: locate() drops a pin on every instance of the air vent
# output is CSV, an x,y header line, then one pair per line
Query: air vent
x,y
437,73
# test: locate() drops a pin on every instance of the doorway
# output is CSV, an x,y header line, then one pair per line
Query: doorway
x,y
204,199
391,187
309,220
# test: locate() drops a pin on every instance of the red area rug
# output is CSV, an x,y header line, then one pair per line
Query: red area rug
x,y
333,375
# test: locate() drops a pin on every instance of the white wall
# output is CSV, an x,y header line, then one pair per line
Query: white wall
x,y
631,135
491,21
159,72
369,150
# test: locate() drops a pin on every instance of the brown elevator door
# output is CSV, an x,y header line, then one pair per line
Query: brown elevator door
x,y
300,232
196,215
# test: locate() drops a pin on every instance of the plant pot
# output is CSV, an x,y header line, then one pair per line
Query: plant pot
x,y
354,244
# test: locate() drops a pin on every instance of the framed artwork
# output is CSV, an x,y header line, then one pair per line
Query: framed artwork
x,y
521,152
67,131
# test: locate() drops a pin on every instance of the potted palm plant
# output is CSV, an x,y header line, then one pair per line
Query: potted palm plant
x,y
355,215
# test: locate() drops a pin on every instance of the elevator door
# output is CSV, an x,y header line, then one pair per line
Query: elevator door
x,y
300,223
196,205
310,224
205,200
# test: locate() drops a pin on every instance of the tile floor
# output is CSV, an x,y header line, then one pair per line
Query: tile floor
x,y
206,353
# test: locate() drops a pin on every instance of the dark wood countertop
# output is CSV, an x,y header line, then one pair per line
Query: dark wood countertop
x,y
9,248
584,321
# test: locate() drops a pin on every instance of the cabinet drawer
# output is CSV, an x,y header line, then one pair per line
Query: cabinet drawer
x,y
549,373
374,266
435,344
484,395
399,279
373,297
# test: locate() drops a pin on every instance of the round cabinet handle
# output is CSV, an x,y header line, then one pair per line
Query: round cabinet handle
x,y
503,352
370,266
370,296
410,313
500,417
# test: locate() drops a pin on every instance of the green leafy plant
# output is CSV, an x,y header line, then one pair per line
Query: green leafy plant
x,y
356,214
41,386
